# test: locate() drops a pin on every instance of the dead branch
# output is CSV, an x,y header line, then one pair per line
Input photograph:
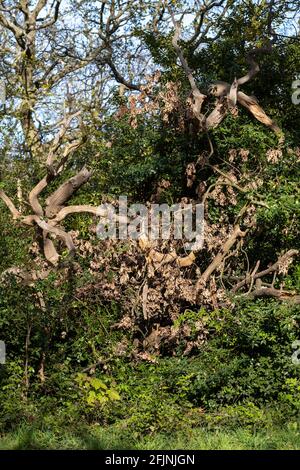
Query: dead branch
x,y
282,260
50,251
33,196
55,202
251,104
63,213
217,261
217,115
26,277
57,232
276,293
15,213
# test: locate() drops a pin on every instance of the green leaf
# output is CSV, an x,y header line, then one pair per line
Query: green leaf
x,y
113,395
91,398
97,383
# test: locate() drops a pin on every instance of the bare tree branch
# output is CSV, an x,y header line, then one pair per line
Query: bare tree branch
x,y
281,261
55,202
15,213
235,234
197,95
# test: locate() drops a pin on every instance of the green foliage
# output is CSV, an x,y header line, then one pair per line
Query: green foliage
x,y
94,391
291,393
245,362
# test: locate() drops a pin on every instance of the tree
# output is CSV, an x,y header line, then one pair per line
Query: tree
x,y
51,50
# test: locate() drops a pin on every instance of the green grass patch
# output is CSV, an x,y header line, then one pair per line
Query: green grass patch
x,y
115,438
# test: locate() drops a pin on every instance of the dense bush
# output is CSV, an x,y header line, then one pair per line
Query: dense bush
x,y
244,369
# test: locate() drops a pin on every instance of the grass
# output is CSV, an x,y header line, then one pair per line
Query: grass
x,y
112,438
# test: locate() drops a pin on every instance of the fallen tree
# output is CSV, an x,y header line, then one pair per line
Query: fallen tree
x,y
164,278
